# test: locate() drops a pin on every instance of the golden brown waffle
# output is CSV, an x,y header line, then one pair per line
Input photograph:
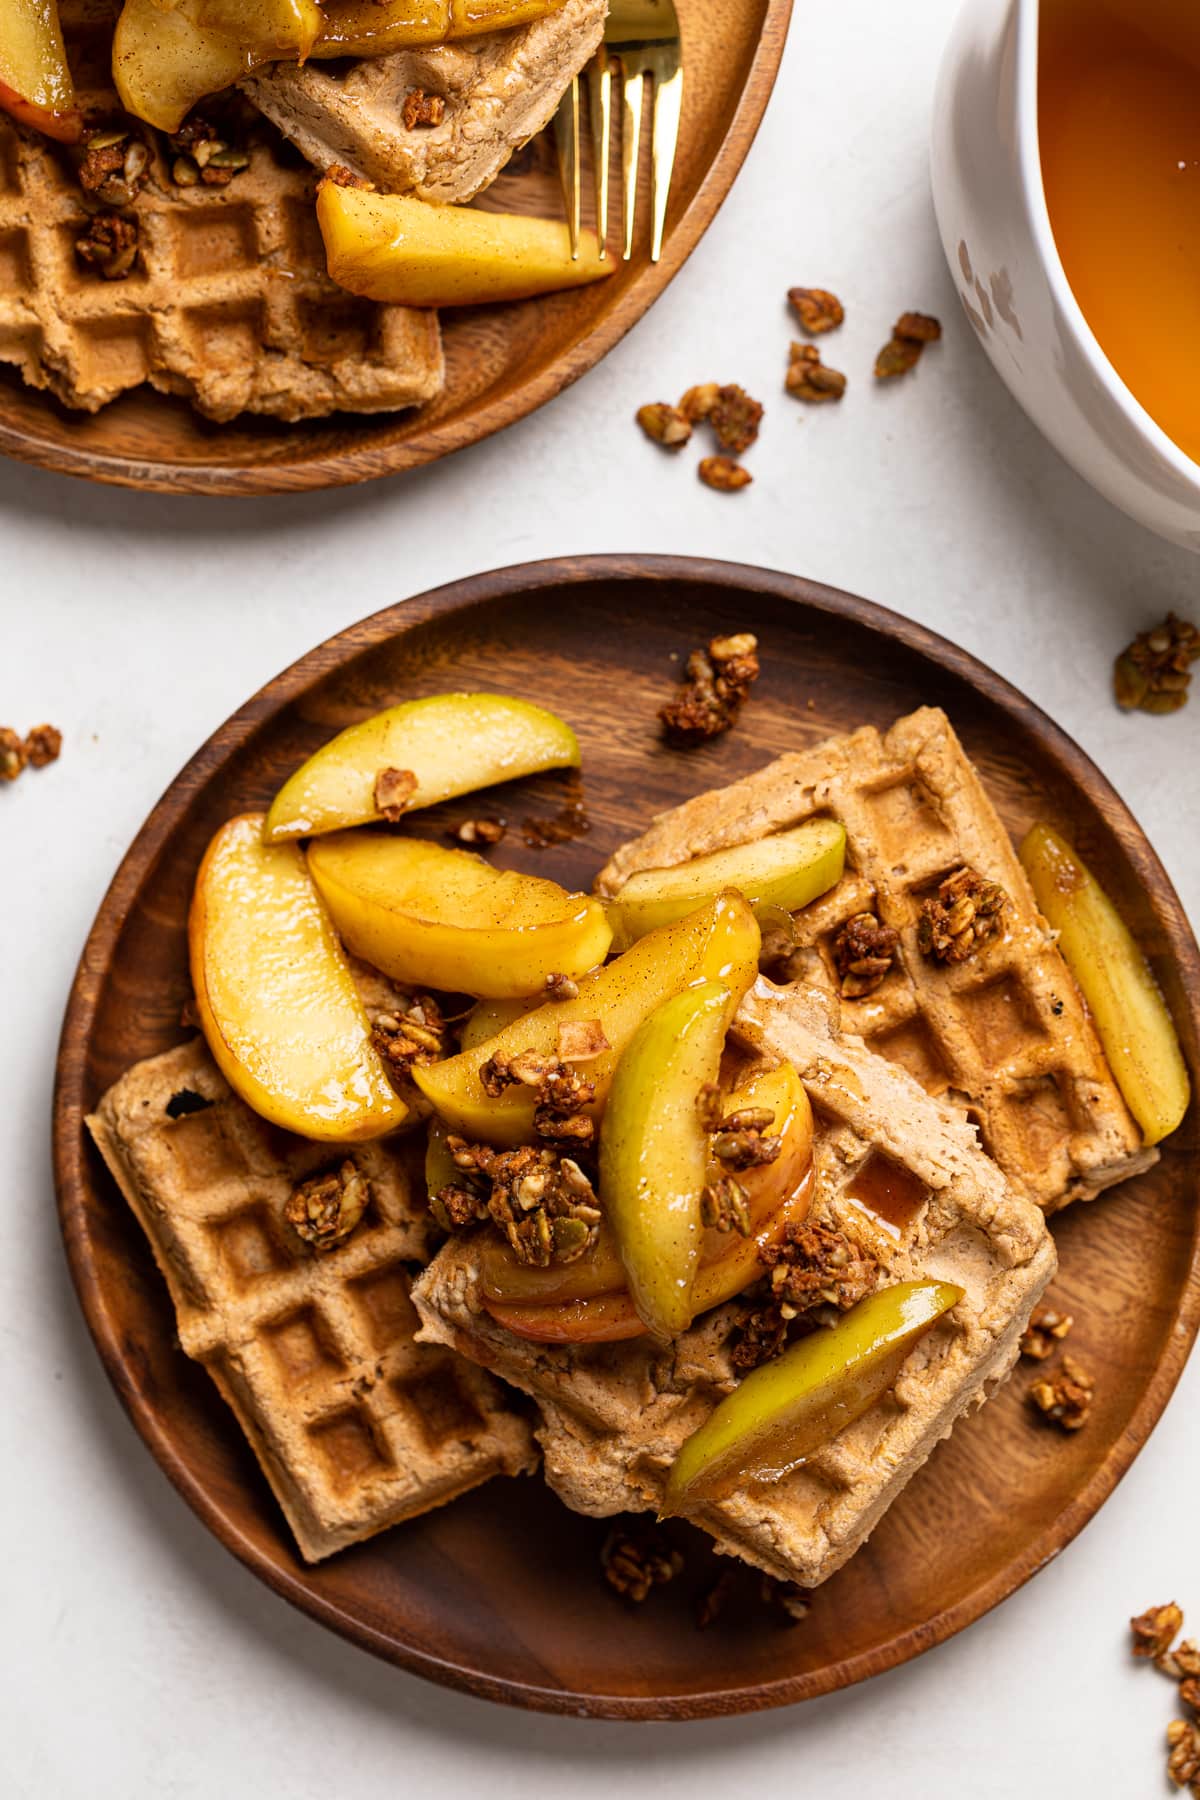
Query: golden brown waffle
x,y
1006,1033
499,89
228,304
614,1416
355,1426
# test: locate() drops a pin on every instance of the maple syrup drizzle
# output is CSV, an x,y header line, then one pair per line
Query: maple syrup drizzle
x,y
893,1195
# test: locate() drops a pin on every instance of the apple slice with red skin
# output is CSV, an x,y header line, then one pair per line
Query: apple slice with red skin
x,y
35,81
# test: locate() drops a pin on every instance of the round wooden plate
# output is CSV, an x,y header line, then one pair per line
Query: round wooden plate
x,y
500,1593
501,361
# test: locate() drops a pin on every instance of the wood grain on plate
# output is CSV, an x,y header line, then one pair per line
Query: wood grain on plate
x,y
501,361
500,1593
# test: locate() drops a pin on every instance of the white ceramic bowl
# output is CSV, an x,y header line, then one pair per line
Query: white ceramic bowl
x,y
995,229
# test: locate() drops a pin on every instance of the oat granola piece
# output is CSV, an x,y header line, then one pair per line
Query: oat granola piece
x,y
560,987
341,176
1045,1331
1065,1401
393,792
202,156
13,754
113,164
1152,674
1189,1692
666,425
1182,1663
635,1562
109,245
560,1094
735,418
43,745
481,831
422,110
722,473
816,308
808,379
325,1209
815,1266
864,951
761,1337
541,1200
897,357
1155,1630
410,1039
716,681
917,328
1183,1760
698,402
966,910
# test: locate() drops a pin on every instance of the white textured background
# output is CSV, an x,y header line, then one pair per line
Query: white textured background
x,y
138,1658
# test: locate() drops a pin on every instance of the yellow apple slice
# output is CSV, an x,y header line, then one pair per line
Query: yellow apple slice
x,y
168,54
275,996
785,871
434,917
1115,979
787,1409
406,252
654,1150
451,743
377,27
719,942
488,1019
35,80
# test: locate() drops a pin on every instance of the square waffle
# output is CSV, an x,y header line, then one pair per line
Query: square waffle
x,y
615,1415
500,89
1005,1033
356,1427
228,303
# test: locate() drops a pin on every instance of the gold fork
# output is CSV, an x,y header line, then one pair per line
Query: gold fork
x,y
641,39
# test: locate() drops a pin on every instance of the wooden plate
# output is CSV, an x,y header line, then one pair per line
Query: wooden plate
x,y
500,1593
501,361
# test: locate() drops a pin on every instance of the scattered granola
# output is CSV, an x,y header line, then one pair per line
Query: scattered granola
x,y
1182,1663
716,682
1183,1760
699,401
560,987
480,831
815,1266
808,378
412,1038
202,156
966,910
422,110
1155,1630
1152,674
723,474
917,328
1044,1332
109,245
864,951
735,418
816,308
636,1561
761,1336
393,792
560,1094
910,334
541,1200
1065,1401
325,1209
666,425
113,164
13,755
43,745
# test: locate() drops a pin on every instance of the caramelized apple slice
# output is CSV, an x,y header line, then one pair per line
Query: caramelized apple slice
x,y
1116,981
377,27
35,81
167,54
488,1019
787,870
435,917
720,941
787,1409
405,252
276,999
450,743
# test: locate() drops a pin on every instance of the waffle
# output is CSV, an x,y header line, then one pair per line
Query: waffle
x,y
355,1426
1006,1032
614,1416
228,304
499,90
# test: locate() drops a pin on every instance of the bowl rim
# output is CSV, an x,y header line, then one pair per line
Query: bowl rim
x,y
1029,165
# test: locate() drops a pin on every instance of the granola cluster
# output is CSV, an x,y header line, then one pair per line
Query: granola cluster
x,y
1044,1333
109,244
910,334
966,909
422,111
716,681
560,1092
113,163
864,951
739,1140
480,831
809,379
1065,1397
325,1209
1154,1634
393,792
633,1563
816,308
733,416
814,1266
412,1038
35,750
200,156
1153,673
542,1201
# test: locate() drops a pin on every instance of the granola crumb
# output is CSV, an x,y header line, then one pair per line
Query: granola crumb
x,y
421,111
1155,1630
560,987
342,176
1044,1332
917,328
1152,674
664,424
393,792
816,308
966,909
787,1598
761,1337
325,1209
480,831
570,822
636,1561
412,1038
1183,1759
43,745
808,378
109,245
1182,1663
723,474
13,754
1065,1401
864,952
735,419
897,357
698,402
716,682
